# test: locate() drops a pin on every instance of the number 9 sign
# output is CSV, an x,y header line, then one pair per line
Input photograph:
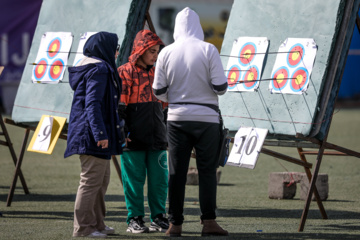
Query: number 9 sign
x,y
247,146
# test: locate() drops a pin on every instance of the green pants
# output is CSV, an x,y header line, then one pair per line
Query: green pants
x,y
135,166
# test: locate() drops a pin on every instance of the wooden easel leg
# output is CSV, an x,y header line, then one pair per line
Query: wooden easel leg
x,y
18,168
316,193
117,167
312,186
13,154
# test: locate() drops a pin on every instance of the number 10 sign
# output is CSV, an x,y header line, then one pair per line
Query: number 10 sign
x,y
247,146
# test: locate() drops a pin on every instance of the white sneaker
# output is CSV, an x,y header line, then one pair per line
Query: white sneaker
x,y
108,230
96,234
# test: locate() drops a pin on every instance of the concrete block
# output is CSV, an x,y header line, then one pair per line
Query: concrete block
x,y
192,177
322,185
282,185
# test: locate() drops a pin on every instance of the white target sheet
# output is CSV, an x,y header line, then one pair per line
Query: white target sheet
x,y
245,63
79,53
293,66
52,57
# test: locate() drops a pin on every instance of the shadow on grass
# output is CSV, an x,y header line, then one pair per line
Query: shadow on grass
x,y
60,215
32,197
285,213
241,236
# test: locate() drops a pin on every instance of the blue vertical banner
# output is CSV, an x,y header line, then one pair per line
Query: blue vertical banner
x,y
18,20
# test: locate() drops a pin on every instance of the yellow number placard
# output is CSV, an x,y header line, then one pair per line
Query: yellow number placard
x,y
46,134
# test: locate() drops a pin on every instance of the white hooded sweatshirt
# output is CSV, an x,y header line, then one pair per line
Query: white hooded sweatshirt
x,y
189,70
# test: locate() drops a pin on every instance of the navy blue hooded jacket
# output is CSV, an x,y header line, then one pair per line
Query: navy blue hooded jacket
x,y
97,88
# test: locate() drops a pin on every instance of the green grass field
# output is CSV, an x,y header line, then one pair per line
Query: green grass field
x,y
244,208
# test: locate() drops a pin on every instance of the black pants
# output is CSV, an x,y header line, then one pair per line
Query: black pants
x,y
183,136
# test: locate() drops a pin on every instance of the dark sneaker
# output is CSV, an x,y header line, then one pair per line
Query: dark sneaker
x,y
137,225
160,223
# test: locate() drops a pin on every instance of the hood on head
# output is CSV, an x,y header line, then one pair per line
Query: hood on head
x,y
102,45
187,24
144,40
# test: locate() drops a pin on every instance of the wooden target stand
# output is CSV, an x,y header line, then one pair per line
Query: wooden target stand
x,y
63,135
9,144
321,147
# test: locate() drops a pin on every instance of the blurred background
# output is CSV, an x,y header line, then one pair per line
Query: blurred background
x,y
18,19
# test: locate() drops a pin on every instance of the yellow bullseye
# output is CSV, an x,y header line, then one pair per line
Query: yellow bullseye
x,y
280,78
233,77
54,47
247,54
295,55
56,70
40,69
250,76
299,79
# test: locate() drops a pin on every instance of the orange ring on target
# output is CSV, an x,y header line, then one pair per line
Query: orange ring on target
x,y
251,77
299,80
247,54
233,76
54,47
295,55
56,69
280,77
40,69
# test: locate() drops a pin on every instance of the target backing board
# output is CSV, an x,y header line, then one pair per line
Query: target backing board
x,y
51,59
79,53
293,66
124,18
245,63
307,110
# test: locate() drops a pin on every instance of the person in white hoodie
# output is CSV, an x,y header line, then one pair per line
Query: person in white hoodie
x,y
189,76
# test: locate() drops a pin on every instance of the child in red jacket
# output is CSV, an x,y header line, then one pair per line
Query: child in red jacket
x,y
145,152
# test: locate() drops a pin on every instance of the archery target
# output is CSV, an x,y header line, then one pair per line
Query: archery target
x,y
298,62
295,55
245,63
247,54
233,76
280,77
251,77
54,47
56,69
53,50
299,80
40,69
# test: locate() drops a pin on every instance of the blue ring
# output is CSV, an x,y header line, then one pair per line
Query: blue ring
x,y
247,64
248,88
307,79
236,66
303,49
38,79
54,79
272,82
47,51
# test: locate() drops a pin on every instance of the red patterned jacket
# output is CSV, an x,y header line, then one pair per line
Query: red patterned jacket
x,y
144,116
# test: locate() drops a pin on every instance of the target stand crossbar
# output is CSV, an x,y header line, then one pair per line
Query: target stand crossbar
x,y
307,142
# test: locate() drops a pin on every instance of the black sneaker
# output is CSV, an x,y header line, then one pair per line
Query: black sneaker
x,y
160,223
137,225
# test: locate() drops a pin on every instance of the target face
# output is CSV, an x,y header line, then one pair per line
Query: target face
x,y
40,69
299,79
54,47
251,77
280,78
56,69
247,54
295,55
233,76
